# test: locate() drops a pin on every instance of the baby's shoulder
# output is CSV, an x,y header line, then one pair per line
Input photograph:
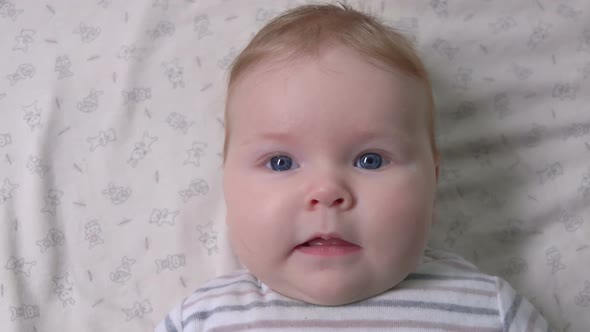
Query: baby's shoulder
x,y
447,277
445,261
214,296
447,281
232,288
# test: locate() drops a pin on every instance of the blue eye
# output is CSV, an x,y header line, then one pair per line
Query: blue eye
x,y
369,160
280,163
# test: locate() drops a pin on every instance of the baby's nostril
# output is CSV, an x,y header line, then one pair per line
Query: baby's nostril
x,y
339,201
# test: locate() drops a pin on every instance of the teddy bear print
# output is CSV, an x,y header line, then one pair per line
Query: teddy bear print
x,y
571,222
197,187
584,40
90,103
201,26
171,262
36,165
550,172
136,95
178,122
568,12
563,91
123,272
464,110
553,256
141,149
19,266
502,105
515,265
24,71
6,190
102,139
208,237
104,3
521,72
163,216
162,29
5,139
539,34
8,10
225,62
62,67
502,24
583,297
445,48
195,153
24,311
138,310
52,200
32,115
118,195
87,33
440,7
132,52
174,72
463,78
64,289
53,238
92,232
460,225
583,189
160,3
23,40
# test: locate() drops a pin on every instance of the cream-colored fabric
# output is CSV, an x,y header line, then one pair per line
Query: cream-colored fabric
x,y
111,132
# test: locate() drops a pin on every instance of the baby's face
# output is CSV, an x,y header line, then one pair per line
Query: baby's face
x,y
335,149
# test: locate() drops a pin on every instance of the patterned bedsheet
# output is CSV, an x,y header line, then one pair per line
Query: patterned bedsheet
x,y
111,131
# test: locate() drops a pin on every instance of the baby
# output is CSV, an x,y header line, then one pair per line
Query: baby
x,y
330,173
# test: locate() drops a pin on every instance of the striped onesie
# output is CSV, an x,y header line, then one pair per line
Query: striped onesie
x,y
446,293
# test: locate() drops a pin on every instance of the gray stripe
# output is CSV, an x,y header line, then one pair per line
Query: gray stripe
x,y
424,276
511,313
355,325
431,305
169,325
204,289
203,315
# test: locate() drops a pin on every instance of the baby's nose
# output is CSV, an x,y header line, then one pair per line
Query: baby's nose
x,y
329,196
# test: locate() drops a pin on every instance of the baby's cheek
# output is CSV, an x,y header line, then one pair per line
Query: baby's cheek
x,y
398,210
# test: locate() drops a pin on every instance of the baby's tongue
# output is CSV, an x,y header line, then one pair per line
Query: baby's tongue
x,y
330,242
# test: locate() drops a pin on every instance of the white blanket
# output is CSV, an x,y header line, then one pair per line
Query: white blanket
x,y
111,131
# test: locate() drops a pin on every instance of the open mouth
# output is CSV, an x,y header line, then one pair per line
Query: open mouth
x,y
327,245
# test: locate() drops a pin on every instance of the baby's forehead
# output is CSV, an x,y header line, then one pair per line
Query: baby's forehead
x,y
341,64
342,75
297,123
288,61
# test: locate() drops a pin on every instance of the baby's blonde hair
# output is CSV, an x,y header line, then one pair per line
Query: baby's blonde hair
x,y
303,31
